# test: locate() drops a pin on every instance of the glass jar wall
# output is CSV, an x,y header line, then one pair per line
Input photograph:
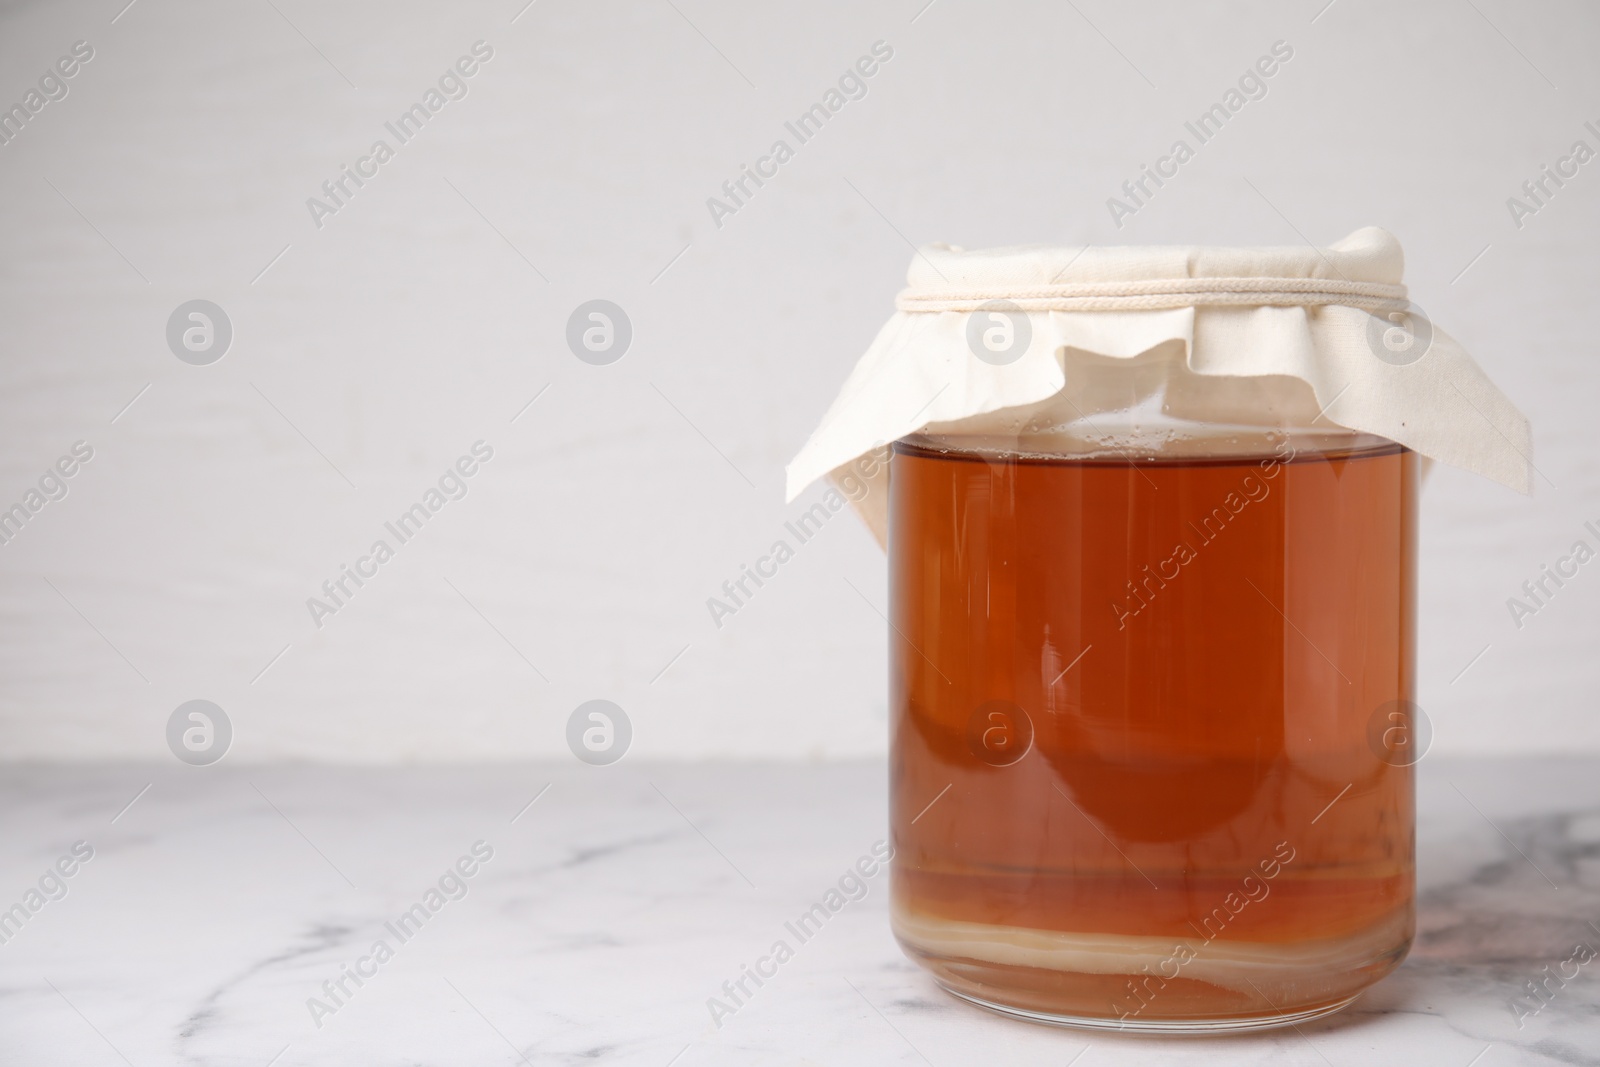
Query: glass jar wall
x,y
1149,685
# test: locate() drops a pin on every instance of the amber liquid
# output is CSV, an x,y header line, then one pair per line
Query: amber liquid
x,y
1141,768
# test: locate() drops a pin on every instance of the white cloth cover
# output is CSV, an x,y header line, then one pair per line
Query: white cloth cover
x,y
1245,313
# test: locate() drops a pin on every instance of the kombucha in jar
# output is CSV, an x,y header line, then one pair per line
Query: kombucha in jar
x,y
1144,705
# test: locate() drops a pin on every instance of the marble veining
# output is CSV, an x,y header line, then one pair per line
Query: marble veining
x,y
621,900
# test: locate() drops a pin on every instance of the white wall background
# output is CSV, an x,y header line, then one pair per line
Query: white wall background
x,y
407,328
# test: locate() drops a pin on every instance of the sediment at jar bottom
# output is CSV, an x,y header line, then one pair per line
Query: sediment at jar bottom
x,y
1130,981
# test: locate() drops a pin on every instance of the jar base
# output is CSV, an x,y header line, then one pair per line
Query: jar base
x,y
1234,1025
1150,984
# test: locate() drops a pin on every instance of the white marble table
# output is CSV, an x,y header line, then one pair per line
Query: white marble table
x,y
221,900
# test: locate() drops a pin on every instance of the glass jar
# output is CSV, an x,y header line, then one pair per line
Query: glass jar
x,y
1151,684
